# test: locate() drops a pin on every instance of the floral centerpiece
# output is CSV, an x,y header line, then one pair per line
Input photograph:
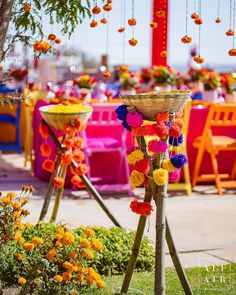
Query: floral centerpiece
x,y
146,79
164,76
86,84
228,84
19,74
211,81
129,82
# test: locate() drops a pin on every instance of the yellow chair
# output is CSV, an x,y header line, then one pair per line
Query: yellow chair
x,y
186,184
223,115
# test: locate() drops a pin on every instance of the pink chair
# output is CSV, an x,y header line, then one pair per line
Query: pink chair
x,y
105,146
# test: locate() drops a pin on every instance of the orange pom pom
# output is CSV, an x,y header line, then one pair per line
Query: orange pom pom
x,y
198,21
107,7
48,165
194,16
218,20
103,21
133,42
93,24
132,22
230,32
68,129
186,39
68,143
232,52
81,169
45,149
163,53
198,59
78,156
58,40
78,143
123,69
66,159
52,37
121,29
96,10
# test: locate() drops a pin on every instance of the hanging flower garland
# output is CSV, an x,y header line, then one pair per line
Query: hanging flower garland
x,y
141,163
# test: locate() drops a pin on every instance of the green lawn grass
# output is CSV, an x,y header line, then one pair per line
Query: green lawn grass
x,y
204,281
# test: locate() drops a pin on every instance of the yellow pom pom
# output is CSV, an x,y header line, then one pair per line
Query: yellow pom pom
x,y
136,178
160,176
135,156
166,164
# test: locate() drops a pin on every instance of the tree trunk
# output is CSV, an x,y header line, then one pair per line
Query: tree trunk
x,y
5,13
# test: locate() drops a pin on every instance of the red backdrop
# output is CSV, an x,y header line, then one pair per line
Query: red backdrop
x,y
159,35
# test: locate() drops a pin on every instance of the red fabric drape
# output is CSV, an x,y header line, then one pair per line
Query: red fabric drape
x,y
159,35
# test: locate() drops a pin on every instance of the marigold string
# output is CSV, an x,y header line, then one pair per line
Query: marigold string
x,y
124,25
234,7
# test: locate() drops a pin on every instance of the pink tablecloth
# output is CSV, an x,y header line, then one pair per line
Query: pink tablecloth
x,y
103,166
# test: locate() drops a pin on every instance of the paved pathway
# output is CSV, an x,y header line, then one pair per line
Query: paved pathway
x,y
203,225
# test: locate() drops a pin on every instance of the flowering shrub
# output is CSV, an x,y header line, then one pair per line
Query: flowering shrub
x,y
86,81
164,75
45,258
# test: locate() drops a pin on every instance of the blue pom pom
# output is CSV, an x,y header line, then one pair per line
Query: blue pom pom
x,y
126,126
121,112
176,141
168,124
178,160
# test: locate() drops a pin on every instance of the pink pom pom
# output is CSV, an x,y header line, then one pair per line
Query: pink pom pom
x,y
174,176
156,146
134,119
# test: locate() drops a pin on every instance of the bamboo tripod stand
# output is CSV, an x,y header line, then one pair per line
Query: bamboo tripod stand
x,y
142,220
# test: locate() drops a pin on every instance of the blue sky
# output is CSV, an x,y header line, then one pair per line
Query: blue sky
x,y
215,44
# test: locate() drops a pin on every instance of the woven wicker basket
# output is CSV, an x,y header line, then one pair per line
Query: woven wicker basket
x,y
149,104
58,120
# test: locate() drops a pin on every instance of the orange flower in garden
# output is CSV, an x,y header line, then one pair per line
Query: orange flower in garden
x,y
88,254
154,25
93,24
78,142
58,278
52,37
89,280
69,143
45,149
68,238
66,159
43,130
21,281
84,243
82,169
58,41
132,22
78,156
37,241
51,254
72,255
27,7
96,245
101,284
66,276
107,7
19,256
106,74
28,246
96,10
121,29
103,21
48,165
89,232
68,129
58,181
67,265
133,42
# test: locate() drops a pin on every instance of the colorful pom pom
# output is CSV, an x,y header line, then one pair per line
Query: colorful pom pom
x,y
134,119
176,141
178,160
141,166
135,156
166,164
174,176
136,178
142,208
156,146
160,176
121,112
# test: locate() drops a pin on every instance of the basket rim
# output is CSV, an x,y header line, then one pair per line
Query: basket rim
x,y
157,95
42,109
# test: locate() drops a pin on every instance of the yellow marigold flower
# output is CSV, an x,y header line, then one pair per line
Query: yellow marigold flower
x,y
84,243
19,256
82,270
73,255
160,176
51,254
21,281
80,277
67,265
6,200
38,281
59,237
89,232
93,274
101,284
75,268
58,278
66,276
37,241
89,280
73,292
60,230
27,225
18,237
19,225
135,156
17,214
16,205
166,164
136,178
96,244
28,246
68,238
88,254
11,195
58,244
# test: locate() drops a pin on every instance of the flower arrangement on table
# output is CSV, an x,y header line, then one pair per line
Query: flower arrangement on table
x,y
86,85
44,258
211,81
228,83
18,74
129,81
164,75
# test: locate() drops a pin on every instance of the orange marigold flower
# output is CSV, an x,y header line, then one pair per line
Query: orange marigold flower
x,y
132,22
58,40
162,117
48,165
58,181
103,21
73,255
60,230
80,277
66,159
68,238
69,266
133,42
96,244
121,30
45,149
52,37
84,243
82,169
43,130
101,284
37,241
17,214
88,254
6,201
78,156
51,254
27,7
66,276
96,10
107,7
68,129
19,256
78,142
21,281
28,246
89,232
89,280
93,24
58,278
11,195
68,143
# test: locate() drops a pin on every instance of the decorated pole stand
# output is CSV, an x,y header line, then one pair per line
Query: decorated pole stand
x,y
66,155
150,167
